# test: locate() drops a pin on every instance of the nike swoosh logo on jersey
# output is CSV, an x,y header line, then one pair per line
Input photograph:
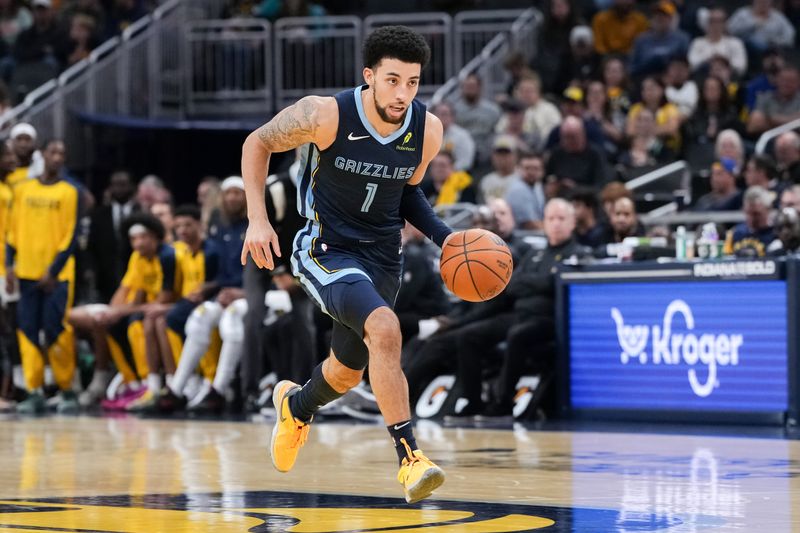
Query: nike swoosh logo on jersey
x,y
351,138
396,427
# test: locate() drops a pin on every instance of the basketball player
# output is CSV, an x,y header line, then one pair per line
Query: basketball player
x,y
367,152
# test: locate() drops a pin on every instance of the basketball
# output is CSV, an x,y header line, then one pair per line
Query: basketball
x,y
476,265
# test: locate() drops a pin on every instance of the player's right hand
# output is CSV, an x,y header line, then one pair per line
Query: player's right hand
x,y
258,239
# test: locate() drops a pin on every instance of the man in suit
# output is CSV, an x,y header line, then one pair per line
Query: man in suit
x,y
108,250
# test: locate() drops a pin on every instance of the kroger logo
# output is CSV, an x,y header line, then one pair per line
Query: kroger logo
x,y
670,348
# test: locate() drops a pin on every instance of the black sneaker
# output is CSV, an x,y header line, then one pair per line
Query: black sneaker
x,y
497,412
213,403
464,413
169,402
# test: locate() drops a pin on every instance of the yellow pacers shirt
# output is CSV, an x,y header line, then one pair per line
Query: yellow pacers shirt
x,y
196,268
42,229
17,176
6,197
151,275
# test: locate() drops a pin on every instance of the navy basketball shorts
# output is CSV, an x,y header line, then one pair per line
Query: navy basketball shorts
x,y
348,282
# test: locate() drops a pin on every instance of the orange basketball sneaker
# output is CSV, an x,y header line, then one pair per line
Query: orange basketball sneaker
x,y
419,475
289,434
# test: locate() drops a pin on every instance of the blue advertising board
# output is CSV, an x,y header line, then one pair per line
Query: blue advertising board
x,y
679,345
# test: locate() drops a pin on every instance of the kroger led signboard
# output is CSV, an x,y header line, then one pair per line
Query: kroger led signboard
x,y
717,346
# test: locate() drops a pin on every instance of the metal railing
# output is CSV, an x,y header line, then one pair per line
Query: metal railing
x,y
229,67
315,56
474,29
767,136
662,184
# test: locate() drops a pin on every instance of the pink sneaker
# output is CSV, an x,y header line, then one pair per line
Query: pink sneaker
x,y
123,399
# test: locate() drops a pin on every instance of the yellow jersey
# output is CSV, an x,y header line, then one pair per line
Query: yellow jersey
x,y
6,197
17,176
196,268
151,275
42,229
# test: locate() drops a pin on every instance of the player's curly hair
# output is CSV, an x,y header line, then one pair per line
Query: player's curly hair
x,y
147,220
395,42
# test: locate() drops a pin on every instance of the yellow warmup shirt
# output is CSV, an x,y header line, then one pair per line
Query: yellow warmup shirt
x,y
17,176
42,229
196,268
152,275
6,197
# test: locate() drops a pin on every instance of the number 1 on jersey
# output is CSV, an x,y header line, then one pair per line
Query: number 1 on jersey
x,y
371,188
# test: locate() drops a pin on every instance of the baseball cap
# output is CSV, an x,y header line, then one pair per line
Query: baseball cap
x,y
505,142
23,128
726,163
666,7
573,94
232,182
581,34
42,3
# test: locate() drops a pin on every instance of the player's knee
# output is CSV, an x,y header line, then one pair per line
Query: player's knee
x,y
231,327
340,377
382,330
203,319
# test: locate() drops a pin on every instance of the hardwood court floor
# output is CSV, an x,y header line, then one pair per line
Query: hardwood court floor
x,y
145,476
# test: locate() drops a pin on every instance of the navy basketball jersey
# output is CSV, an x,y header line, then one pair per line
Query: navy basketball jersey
x,y
353,188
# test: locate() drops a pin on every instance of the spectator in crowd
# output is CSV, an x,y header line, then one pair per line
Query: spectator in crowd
x,y
761,26
772,63
724,195
440,351
514,120
14,19
529,323
553,46
617,88
122,14
599,111
616,28
609,195
787,156
668,118
646,150
81,40
654,48
588,231
108,248
761,171
779,107
518,69
151,190
729,145
572,105
30,163
42,265
209,198
714,114
717,43
39,42
790,198
505,152
575,161
526,195
624,222
680,89
541,116
719,67
446,185
456,139
163,211
421,295
477,115
275,9
91,8
787,230
583,63
752,237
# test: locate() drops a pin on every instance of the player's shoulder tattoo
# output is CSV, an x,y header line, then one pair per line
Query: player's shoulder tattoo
x,y
293,126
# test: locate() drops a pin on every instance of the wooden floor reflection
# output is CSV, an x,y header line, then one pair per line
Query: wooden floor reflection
x,y
136,475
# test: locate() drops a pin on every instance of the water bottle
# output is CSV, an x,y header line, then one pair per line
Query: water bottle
x,y
680,243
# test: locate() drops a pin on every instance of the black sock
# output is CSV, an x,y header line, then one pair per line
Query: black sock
x,y
402,430
314,394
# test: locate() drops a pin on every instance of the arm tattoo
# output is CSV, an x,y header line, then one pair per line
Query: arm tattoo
x,y
295,125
